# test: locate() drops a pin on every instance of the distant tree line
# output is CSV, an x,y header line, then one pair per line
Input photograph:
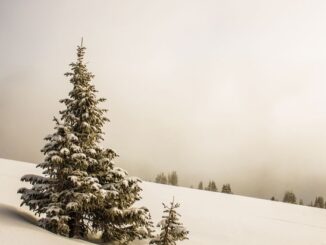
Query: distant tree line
x,y
226,188
211,186
169,179
172,179
290,197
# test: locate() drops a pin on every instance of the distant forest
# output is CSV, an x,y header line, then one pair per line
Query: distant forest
x,y
171,178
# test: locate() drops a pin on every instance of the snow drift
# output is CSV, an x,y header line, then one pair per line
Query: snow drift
x,y
212,218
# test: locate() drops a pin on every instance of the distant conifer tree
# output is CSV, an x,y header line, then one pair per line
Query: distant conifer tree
x,y
200,185
173,178
289,197
319,202
211,186
227,189
161,179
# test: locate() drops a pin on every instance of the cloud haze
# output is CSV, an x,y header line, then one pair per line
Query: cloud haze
x,y
232,91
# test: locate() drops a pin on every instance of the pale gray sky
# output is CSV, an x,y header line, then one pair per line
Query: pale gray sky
x,y
233,91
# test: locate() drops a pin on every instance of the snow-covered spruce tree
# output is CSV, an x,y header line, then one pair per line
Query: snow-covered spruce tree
x,y
114,214
171,229
105,195
65,192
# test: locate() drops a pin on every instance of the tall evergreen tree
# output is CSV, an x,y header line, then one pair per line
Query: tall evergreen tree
x,y
115,215
172,230
102,195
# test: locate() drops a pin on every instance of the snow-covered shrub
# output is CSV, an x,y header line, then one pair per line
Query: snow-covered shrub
x,y
172,230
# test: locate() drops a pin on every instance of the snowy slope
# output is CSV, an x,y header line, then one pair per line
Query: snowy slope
x,y
211,218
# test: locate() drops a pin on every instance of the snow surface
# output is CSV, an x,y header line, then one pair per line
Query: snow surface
x,y
212,218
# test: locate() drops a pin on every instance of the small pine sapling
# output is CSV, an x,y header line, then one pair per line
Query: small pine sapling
x,y
171,229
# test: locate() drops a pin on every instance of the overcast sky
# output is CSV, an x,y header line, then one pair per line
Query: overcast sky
x,y
233,91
